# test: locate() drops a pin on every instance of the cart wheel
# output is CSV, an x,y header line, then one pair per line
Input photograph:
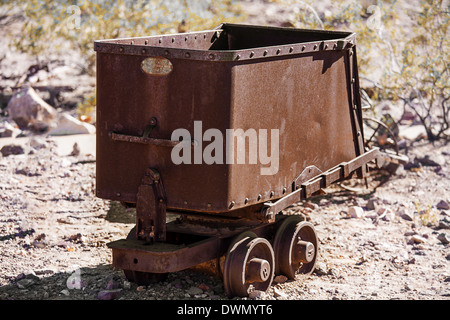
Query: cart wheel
x,y
249,262
296,247
379,134
138,277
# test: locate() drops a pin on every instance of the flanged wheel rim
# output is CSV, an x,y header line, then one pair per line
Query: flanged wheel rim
x,y
249,262
296,247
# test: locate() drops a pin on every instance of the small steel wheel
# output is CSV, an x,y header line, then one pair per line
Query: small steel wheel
x,y
139,277
296,246
381,134
249,263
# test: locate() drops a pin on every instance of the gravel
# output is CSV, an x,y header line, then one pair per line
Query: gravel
x,y
54,231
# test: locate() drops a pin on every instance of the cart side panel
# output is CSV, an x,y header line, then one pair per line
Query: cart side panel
x,y
127,99
307,99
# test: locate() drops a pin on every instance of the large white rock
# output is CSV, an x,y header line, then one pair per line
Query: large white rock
x,y
66,125
29,111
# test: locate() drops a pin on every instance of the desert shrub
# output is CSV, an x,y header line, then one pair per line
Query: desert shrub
x,y
403,51
55,27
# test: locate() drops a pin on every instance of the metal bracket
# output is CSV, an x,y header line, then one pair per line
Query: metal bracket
x,y
308,173
316,183
151,208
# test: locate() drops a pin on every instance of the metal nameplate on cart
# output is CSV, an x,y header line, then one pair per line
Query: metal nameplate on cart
x,y
156,66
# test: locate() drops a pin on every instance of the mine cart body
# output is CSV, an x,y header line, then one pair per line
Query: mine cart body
x,y
303,83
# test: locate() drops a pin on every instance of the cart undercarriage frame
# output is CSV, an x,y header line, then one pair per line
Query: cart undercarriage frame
x,y
243,252
303,83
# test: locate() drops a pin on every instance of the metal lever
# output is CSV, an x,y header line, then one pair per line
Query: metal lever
x,y
145,139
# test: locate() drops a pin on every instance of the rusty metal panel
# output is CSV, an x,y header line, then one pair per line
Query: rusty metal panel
x,y
299,82
127,99
305,97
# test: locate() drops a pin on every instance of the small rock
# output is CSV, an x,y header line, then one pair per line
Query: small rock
x,y
371,215
310,205
320,269
406,215
126,285
442,205
194,290
24,283
7,130
418,239
75,150
65,292
277,293
256,294
385,214
444,238
371,204
11,149
280,279
112,285
355,212
74,281
140,288
77,238
109,294
444,224
38,143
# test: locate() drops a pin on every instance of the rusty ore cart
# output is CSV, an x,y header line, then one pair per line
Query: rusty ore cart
x,y
226,218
